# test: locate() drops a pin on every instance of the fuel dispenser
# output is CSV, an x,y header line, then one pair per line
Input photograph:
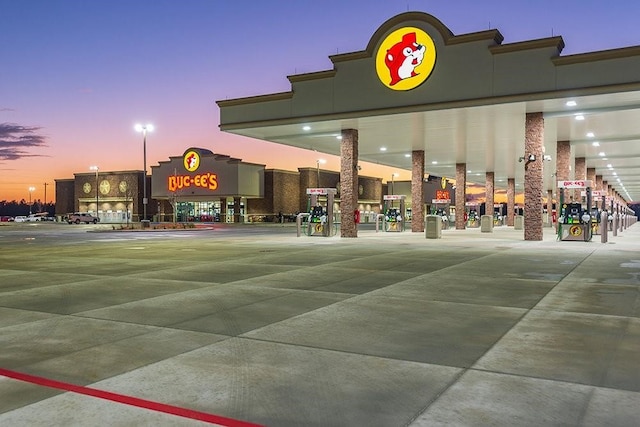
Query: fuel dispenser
x,y
394,212
472,215
575,219
498,217
320,207
596,212
441,208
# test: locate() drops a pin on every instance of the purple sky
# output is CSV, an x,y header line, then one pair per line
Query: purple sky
x,y
82,73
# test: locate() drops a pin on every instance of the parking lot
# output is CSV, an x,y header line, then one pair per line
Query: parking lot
x,y
251,325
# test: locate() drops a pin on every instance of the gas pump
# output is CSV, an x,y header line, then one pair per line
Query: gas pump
x,y
394,215
498,217
441,208
320,206
472,215
596,213
575,219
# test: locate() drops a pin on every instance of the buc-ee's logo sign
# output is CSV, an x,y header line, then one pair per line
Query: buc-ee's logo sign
x,y
191,160
405,58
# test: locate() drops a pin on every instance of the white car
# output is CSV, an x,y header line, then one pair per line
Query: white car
x,y
20,218
40,216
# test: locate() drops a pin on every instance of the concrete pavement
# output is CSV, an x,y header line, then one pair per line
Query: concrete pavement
x,y
389,329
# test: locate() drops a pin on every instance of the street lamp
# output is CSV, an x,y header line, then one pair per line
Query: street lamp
x,y
31,190
393,175
95,168
144,129
318,161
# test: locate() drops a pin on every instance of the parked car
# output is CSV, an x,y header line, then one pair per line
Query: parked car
x,y
40,216
79,217
20,218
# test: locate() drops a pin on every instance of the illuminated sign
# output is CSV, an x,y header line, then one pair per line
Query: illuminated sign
x,y
321,191
191,160
394,197
574,184
405,58
205,180
443,195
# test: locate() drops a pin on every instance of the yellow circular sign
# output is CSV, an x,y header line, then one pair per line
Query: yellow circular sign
x,y
575,230
405,58
191,160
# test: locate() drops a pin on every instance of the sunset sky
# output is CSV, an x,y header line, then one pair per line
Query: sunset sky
x,y
77,75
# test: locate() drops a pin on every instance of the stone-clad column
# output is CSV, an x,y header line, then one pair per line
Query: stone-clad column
x,y
223,209
533,180
461,194
237,215
598,183
563,169
417,191
591,176
489,189
511,200
598,187
348,182
580,173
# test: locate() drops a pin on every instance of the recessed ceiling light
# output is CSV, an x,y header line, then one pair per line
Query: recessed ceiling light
x,y
383,148
407,155
339,137
435,162
595,144
610,166
306,128
590,135
579,117
571,103
601,154
615,174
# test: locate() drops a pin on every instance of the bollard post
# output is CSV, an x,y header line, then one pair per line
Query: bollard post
x,y
603,227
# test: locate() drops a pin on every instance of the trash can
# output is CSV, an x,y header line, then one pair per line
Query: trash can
x,y
433,227
145,223
486,224
518,223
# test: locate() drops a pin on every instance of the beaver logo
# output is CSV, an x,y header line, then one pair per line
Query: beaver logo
x,y
191,160
405,58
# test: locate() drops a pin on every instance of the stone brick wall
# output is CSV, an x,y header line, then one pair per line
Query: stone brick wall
x,y
417,191
533,181
65,196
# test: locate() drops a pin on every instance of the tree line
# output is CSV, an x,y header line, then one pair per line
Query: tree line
x,y
22,207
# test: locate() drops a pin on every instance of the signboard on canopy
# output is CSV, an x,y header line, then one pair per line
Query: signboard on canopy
x,y
575,184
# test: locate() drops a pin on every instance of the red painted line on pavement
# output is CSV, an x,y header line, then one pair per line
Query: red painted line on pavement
x,y
128,400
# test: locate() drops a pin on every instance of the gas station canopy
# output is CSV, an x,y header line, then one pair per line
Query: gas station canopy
x,y
465,102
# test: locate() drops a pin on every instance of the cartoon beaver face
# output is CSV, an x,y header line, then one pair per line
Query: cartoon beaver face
x,y
191,161
403,57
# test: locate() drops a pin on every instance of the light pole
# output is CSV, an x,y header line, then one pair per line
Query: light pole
x,y
144,129
393,175
95,168
31,190
318,161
